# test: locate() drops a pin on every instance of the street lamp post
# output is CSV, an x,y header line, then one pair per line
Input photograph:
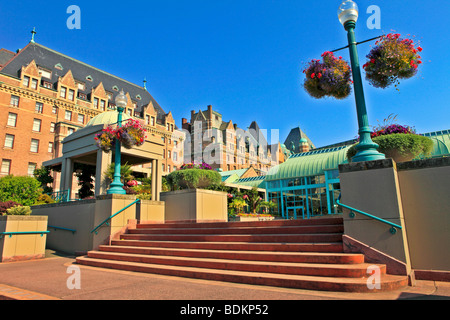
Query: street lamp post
x,y
366,148
116,186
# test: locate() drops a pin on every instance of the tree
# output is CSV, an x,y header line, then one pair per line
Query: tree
x,y
85,174
125,172
43,175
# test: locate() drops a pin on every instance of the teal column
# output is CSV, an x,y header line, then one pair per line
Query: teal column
x,y
366,149
117,186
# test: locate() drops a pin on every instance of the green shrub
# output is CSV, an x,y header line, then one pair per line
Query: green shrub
x,y
193,179
23,190
44,199
401,144
19,211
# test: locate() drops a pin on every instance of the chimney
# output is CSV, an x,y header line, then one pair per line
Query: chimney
x,y
183,120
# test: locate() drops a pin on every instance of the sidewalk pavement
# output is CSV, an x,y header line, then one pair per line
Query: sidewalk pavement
x,y
51,279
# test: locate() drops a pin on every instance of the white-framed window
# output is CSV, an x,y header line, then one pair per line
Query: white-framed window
x,y
52,127
39,108
63,92
81,118
54,110
6,166
9,141
71,94
68,115
31,168
34,145
14,101
34,84
37,125
12,119
102,105
96,103
152,121
26,81
50,147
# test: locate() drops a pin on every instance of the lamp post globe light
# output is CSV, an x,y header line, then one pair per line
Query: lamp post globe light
x,y
116,186
366,148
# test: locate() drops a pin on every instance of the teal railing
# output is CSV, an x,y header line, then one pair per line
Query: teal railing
x,y
61,228
10,234
60,196
394,226
106,221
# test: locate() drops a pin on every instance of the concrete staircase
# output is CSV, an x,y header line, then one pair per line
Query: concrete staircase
x,y
305,254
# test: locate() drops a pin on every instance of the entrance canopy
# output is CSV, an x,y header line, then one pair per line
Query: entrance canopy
x,y
80,147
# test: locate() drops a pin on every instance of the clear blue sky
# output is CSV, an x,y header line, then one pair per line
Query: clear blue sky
x,y
245,57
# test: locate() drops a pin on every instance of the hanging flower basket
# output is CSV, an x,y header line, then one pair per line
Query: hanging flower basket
x,y
392,58
106,140
329,78
131,134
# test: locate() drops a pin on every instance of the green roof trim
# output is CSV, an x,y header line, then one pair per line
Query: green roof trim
x,y
441,142
309,164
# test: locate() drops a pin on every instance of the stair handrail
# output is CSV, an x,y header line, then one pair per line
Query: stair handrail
x,y
61,228
115,214
394,226
10,234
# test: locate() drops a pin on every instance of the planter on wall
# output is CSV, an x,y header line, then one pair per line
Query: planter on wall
x,y
22,237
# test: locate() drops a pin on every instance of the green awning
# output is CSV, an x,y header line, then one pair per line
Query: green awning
x,y
309,163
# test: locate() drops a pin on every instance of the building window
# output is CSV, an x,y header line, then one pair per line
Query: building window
x,y
6,166
45,73
37,125
31,168
152,121
129,112
14,101
81,86
163,167
50,147
12,119
164,153
168,154
52,127
54,110
47,85
62,93
34,145
102,105
9,141
39,107
71,94
96,103
68,115
34,84
81,118
26,81
168,168
175,156
147,119
70,131
82,95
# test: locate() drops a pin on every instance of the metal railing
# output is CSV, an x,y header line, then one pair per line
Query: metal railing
x,y
10,234
105,222
61,228
60,196
394,226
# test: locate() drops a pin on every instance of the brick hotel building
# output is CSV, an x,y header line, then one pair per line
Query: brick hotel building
x,y
45,96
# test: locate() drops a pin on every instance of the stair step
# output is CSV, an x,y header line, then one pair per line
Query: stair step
x,y
333,270
312,229
330,237
274,256
388,282
335,247
269,223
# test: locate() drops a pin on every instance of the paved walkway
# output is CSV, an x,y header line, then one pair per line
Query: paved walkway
x,y
52,277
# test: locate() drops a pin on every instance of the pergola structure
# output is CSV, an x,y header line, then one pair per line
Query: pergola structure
x,y
80,147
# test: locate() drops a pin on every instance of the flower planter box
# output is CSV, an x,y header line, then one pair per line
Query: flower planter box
x,y
242,219
22,237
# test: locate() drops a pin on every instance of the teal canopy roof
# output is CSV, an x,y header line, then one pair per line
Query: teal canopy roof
x,y
441,143
309,163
